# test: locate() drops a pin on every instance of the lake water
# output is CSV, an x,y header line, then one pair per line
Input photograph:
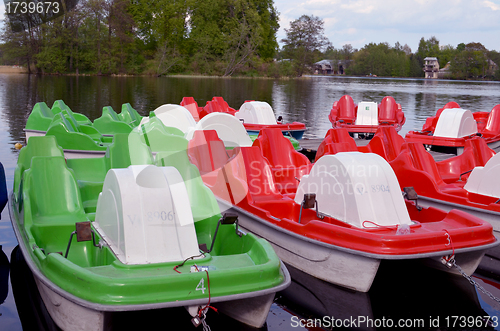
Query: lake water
x,y
399,292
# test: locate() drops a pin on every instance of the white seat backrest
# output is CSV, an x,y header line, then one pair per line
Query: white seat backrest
x,y
485,180
256,112
455,123
174,116
367,113
144,215
229,129
360,189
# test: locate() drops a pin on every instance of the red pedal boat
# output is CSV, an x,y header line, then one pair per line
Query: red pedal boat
x,y
365,117
469,182
453,126
338,218
255,115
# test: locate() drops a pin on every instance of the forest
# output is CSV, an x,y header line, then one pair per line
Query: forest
x,y
208,37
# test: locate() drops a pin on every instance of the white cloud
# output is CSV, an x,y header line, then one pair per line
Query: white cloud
x,y
363,21
491,5
363,7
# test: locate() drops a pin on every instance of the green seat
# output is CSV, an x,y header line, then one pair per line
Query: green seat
x,y
129,115
203,202
53,195
40,117
161,138
60,106
37,146
126,150
110,122
75,137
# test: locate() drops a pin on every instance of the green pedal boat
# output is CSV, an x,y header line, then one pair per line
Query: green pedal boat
x,y
109,123
118,233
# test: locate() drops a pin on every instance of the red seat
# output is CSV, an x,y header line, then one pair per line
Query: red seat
x,y
386,143
423,160
476,153
217,104
260,180
286,164
387,111
207,151
493,123
223,105
336,140
190,104
345,109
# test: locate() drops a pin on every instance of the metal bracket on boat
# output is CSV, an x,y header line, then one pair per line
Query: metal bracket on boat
x,y
83,232
227,218
409,193
448,261
464,173
308,203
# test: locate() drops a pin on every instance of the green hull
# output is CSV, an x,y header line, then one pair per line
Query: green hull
x,y
51,194
294,141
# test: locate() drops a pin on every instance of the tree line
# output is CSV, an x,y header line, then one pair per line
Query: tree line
x,y
209,37
146,36
305,44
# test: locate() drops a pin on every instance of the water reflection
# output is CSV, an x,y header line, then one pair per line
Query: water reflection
x,y
401,293
416,294
4,275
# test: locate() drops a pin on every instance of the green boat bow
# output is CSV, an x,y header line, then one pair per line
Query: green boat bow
x,y
51,195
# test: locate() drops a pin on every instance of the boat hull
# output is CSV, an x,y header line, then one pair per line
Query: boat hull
x,y
69,315
70,312
33,133
297,134
339,265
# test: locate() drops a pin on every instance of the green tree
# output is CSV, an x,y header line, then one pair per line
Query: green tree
x,y
227,35
304,36
471,62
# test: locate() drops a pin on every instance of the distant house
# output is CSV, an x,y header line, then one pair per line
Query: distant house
x,y
445,72
328,67
324,67
492,67
431,67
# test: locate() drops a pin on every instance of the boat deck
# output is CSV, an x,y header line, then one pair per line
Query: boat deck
x,y
490,264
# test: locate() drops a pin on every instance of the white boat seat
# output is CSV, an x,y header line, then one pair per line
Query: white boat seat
x,y
485,180
144,215
360,189
173,116
256,112
455,123
367,113
229,129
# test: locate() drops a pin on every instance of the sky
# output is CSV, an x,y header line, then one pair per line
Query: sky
x,y
360,22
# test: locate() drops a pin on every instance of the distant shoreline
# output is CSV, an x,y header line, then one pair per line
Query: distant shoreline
x,y
13,70
8,69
